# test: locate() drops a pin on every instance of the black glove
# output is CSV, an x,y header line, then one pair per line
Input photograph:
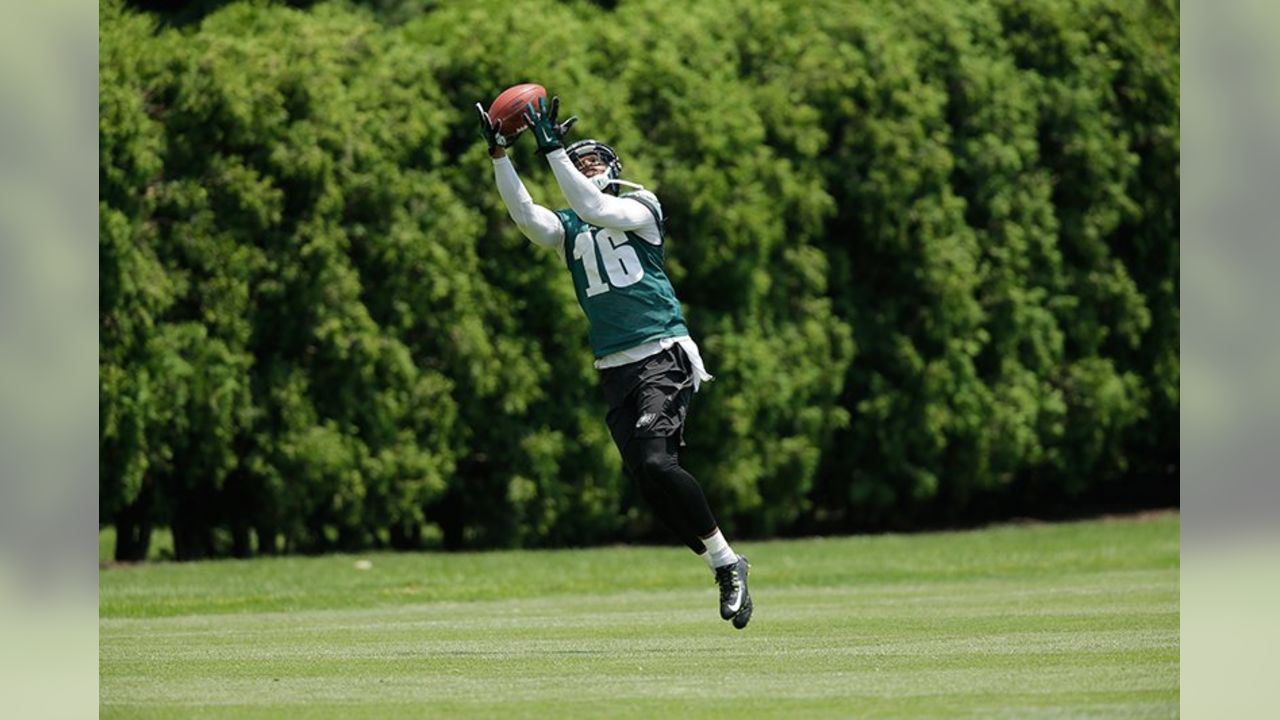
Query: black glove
x,y
489,130
549,135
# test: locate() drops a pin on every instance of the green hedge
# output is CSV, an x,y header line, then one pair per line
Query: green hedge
x,y
930,251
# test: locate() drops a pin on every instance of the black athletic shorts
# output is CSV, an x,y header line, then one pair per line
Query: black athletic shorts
x,y
649,397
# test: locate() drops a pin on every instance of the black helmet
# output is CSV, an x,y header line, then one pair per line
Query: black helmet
x,y
613,165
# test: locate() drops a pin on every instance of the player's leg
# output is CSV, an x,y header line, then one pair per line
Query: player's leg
x,y
679,501
622,420
673,491
676,500
665,506
648,403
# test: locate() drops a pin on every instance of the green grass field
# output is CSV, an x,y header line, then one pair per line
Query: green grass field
x,y
1069,620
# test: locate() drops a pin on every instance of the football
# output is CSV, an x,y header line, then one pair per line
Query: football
x,y
508,108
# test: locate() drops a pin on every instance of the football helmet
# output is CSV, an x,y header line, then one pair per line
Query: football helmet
x,y
607,181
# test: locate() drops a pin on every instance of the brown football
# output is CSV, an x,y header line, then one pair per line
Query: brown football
x,y
508,108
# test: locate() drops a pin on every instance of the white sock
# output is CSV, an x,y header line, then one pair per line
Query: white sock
x,y
718,552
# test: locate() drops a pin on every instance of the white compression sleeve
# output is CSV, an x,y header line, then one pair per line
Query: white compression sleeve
x,y
595,207
537,223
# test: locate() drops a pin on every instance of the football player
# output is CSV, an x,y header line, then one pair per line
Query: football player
x,y
612,244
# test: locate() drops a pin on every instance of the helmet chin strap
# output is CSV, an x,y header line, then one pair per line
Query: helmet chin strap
x,y
603,181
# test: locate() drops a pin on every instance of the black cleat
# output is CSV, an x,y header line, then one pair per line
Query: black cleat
x,y
735,600
744,613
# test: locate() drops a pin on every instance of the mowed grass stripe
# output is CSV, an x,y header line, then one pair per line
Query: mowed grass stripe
x,y
1023,553
998,644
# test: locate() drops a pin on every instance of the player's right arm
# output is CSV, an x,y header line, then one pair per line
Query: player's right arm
x,y
539,224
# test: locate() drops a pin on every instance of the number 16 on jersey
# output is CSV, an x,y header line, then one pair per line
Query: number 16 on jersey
x,y
620,261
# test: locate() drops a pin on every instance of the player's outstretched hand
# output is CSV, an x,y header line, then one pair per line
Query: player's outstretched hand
x,y
546,131
489,130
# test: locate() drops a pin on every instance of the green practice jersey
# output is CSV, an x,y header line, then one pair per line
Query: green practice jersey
x,y
621,285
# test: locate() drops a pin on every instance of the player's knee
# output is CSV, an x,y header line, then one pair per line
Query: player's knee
x,y
655,465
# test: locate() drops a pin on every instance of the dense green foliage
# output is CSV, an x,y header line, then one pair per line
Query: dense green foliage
x,y
929,249
1023,622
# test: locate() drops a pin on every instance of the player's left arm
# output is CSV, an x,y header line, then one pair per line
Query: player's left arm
x,y
588,201
593,205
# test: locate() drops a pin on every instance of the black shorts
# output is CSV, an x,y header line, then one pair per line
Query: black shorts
x,y
649,397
